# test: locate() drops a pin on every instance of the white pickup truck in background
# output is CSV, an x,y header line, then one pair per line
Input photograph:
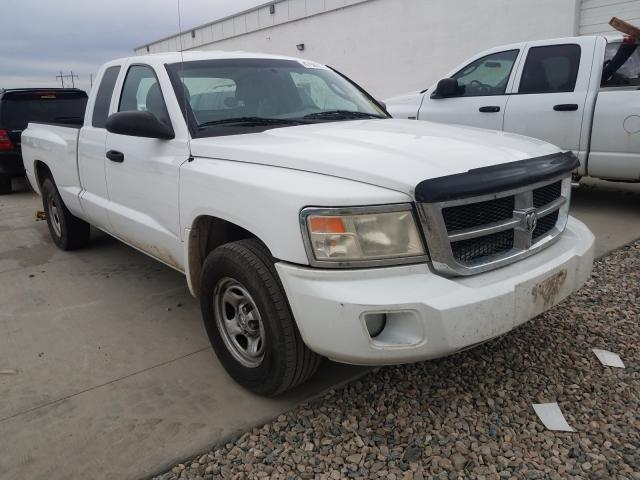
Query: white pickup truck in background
x,y
307,221
581,93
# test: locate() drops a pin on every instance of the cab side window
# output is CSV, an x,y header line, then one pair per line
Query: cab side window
x,y
141,92
551,69
488,75
103,97
621,65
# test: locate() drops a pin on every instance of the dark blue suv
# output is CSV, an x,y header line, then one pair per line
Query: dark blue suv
x,y
20,106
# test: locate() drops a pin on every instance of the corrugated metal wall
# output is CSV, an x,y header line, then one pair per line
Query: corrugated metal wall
x,y
595,14
284,11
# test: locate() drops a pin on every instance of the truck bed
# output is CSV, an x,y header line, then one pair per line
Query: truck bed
x,y
57,145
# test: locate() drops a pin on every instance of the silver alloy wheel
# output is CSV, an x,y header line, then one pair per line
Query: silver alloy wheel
x,y
239,322
54,215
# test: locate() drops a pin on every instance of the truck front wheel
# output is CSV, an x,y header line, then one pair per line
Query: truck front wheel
x,y
67,231
248,320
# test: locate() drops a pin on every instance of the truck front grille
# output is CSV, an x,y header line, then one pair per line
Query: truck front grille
x,y
467,251
471,235
476,214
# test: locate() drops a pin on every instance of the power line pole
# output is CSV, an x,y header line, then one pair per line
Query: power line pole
x,y
73,83
71,76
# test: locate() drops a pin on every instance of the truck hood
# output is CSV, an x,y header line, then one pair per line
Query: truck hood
x,y
394,154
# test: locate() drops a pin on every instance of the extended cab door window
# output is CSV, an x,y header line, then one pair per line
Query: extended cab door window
x,y
103,97
553,83
482,96
615,136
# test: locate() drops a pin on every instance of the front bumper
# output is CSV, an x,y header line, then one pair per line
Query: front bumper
x,y
11,164
430,316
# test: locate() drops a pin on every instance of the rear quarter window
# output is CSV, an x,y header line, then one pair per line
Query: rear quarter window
x,y
103,97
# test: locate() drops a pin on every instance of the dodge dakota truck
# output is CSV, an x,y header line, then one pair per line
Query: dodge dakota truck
x,y
307,221
579,93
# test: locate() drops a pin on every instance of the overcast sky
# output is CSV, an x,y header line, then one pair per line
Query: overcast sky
x,y
38,38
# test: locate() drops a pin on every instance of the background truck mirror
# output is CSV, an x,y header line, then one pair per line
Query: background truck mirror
x,y
139,124
447,87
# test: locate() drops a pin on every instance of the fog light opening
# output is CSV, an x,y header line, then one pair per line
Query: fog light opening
x,y
375,323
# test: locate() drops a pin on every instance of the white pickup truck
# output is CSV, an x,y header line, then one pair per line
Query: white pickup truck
x,y
307,221
580,93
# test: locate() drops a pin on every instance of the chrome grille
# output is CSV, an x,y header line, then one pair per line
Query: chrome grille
x,y
547,194
478,247
476,234
476,214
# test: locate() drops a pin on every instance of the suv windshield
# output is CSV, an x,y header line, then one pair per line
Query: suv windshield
x,y
21,107
234,96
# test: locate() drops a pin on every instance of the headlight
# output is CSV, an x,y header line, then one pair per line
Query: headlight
x,y
362,236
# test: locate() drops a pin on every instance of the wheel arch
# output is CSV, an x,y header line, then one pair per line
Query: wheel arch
x,y
205,234
42,171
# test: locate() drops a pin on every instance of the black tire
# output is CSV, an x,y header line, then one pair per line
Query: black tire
x,y
67,231
286,360
5,185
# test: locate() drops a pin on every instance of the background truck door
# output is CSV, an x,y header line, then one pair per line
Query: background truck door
x,y
91,143
615,138
143,174
484,83
552,88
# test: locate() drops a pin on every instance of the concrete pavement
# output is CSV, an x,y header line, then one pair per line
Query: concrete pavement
x,y
105,368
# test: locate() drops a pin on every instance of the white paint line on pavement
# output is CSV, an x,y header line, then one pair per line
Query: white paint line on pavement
x,y
552,417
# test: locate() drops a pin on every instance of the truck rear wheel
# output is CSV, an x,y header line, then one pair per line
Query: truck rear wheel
x,y
5,185
67,231
249,322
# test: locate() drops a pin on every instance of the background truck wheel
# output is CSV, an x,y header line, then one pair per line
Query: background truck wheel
x,y
68,232
5,185
248,320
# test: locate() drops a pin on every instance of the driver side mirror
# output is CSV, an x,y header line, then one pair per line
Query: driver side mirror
x,y
139,124
447,87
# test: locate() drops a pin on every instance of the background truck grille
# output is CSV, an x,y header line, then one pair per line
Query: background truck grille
x,y
476,234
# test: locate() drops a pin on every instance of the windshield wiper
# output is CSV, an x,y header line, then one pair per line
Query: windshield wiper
x,y
342,115
252,121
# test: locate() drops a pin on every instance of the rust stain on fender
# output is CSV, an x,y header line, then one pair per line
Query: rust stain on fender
x,y
548,290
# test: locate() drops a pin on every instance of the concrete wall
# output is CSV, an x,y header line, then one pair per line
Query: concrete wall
x,y
394,46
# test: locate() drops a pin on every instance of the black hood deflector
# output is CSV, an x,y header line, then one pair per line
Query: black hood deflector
x,y
497,178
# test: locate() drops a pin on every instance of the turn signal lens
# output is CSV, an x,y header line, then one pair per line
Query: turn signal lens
x,y
326,225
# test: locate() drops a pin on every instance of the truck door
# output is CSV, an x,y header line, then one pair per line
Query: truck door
x,y
615,138
552,88
143,173
91,143
484,84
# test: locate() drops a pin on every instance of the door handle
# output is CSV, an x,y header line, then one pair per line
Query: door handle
x,y
115,156
489,109
566,107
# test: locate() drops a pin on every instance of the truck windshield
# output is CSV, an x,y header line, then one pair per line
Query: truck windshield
x,y
223,97
19,108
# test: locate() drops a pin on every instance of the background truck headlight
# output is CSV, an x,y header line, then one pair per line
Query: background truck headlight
x,y
362,236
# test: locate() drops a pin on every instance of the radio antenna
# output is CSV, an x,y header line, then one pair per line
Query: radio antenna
x,y
182,84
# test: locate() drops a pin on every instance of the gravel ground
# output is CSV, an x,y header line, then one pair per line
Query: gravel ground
x,y
470,415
